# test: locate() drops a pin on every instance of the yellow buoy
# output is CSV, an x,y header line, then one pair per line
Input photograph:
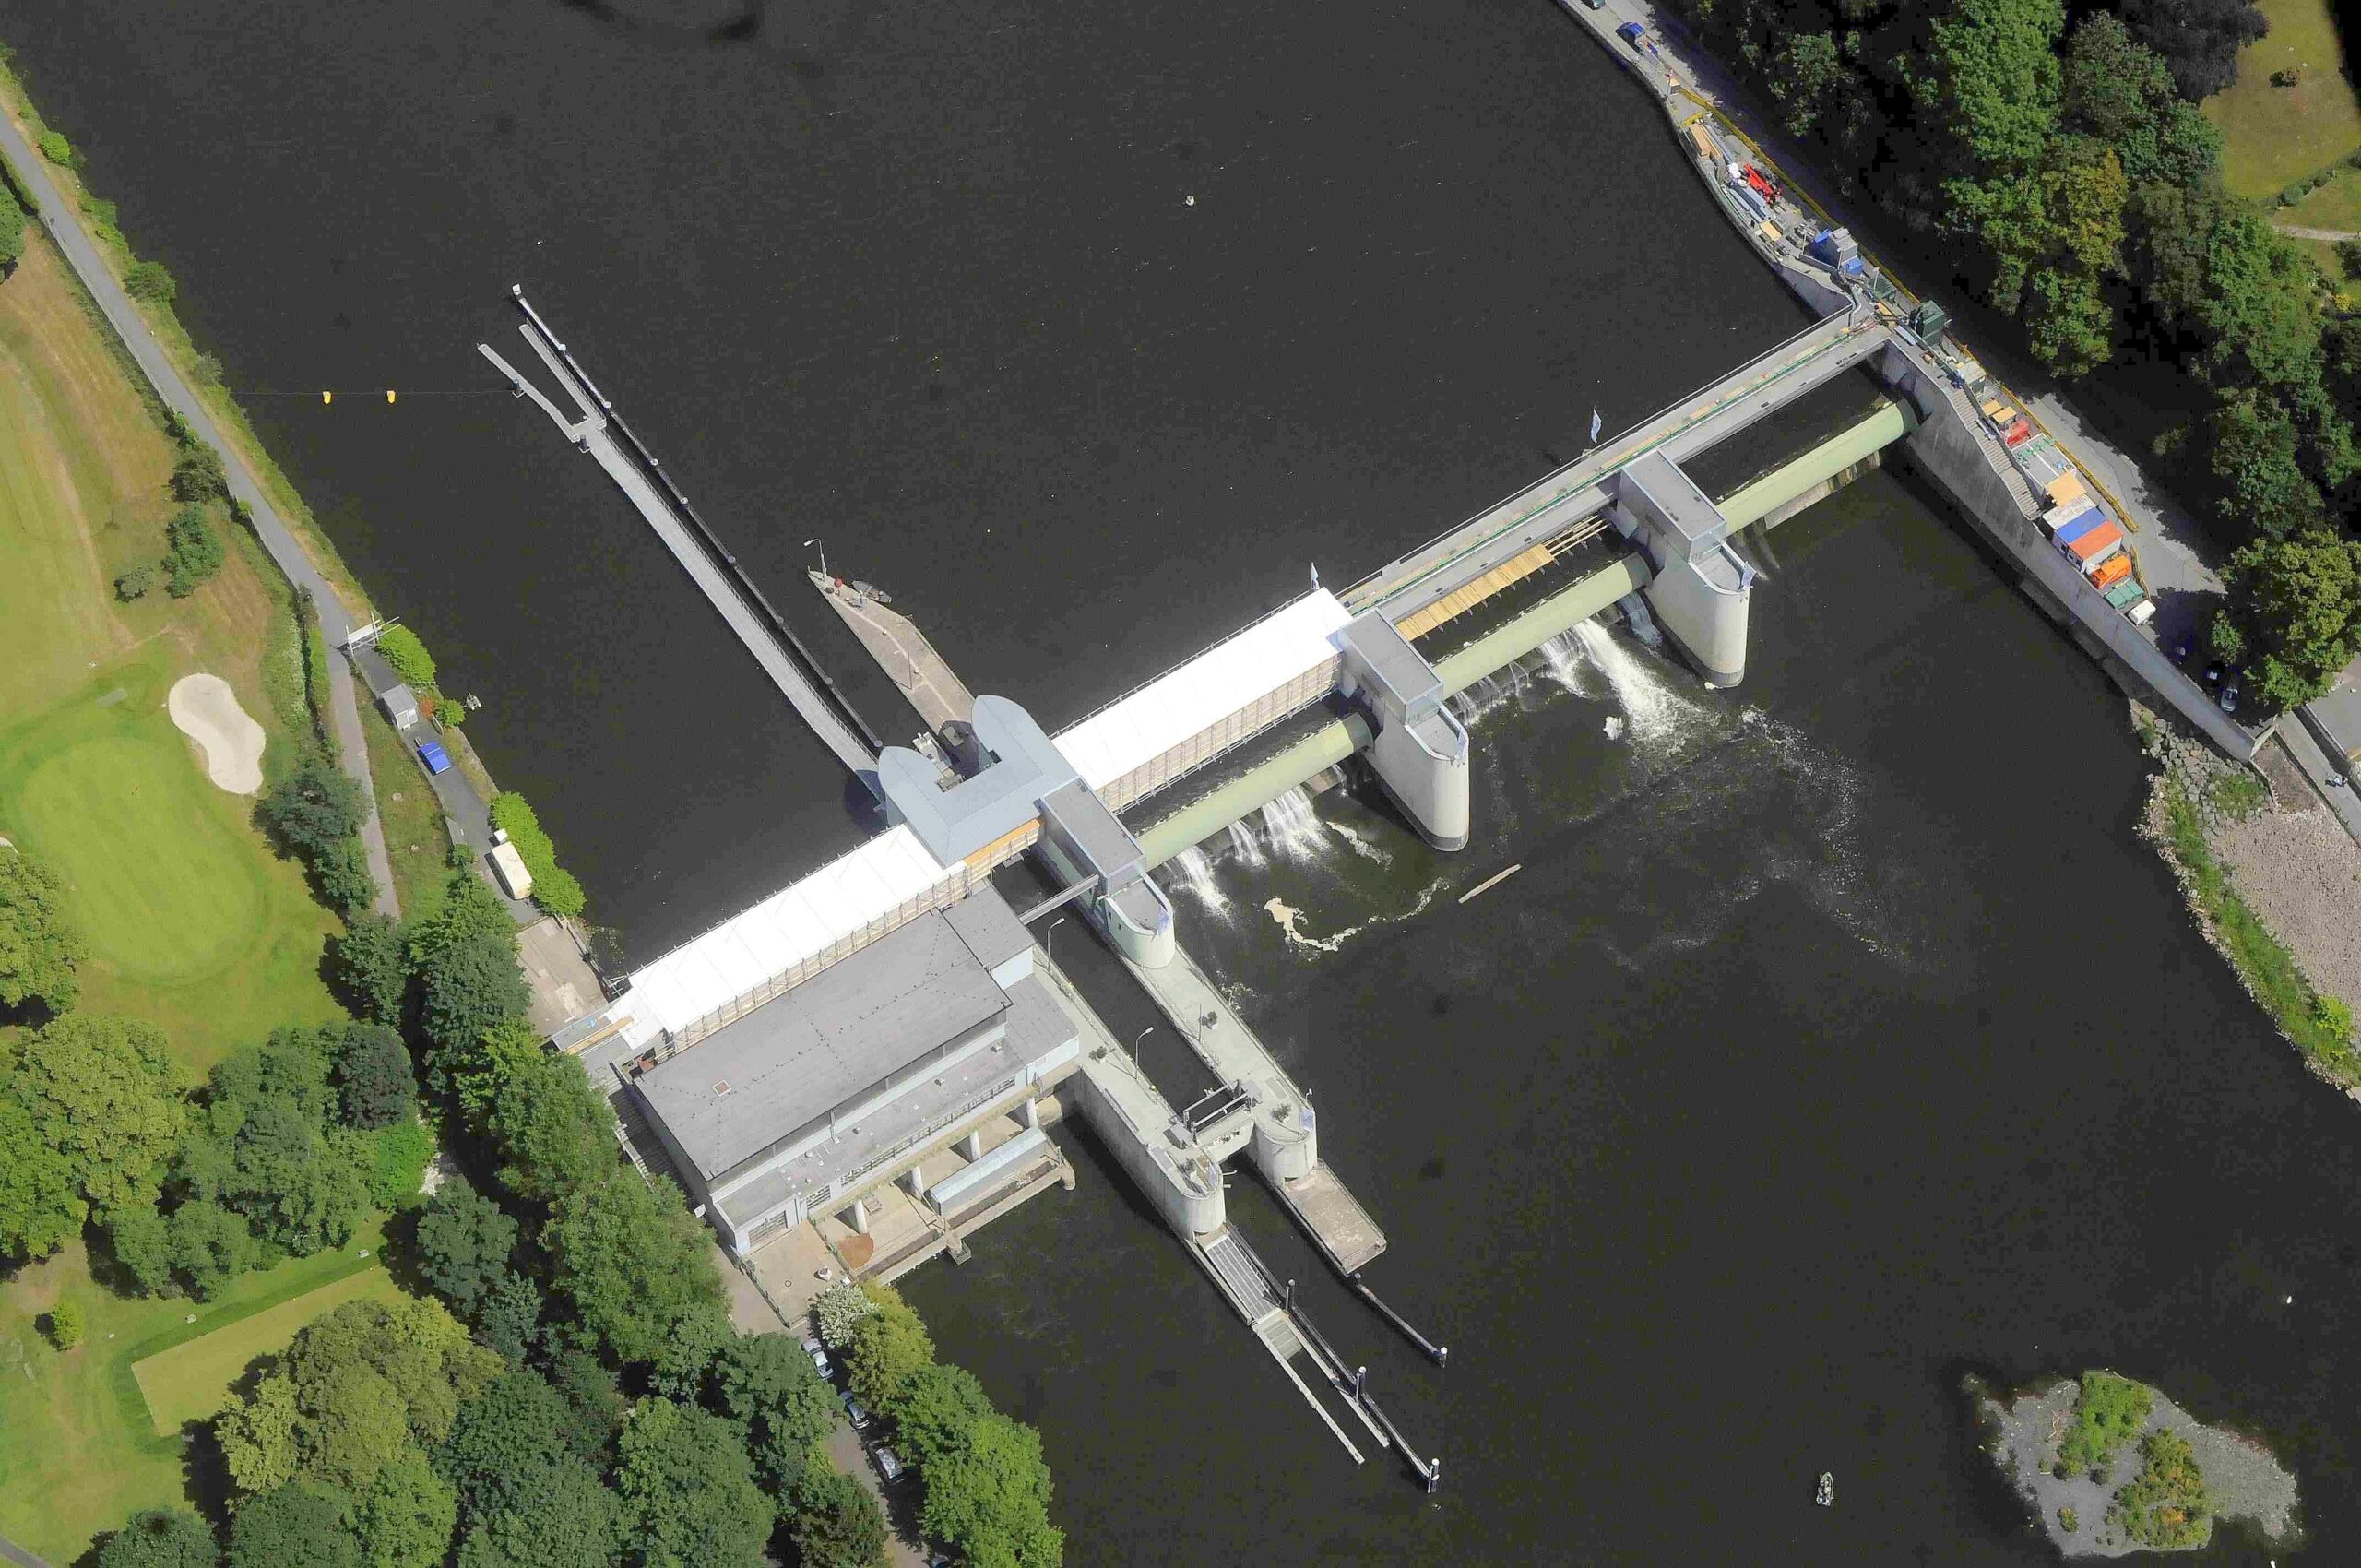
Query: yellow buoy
x,y
326,396
390,394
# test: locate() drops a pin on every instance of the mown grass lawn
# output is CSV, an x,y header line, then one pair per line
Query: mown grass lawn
x,y
190,1382
195,925
416,842
82,1452
2274,136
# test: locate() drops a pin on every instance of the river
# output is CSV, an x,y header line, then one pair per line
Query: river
x,y
1837,1036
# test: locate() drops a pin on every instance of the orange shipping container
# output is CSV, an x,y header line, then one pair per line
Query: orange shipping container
x,y
2066,487
2095,544
1700,139
2111,571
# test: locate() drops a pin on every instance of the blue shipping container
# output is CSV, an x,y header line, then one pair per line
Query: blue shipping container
x,y
431,753
2079,527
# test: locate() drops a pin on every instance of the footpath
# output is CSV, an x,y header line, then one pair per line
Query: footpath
x,y
63,220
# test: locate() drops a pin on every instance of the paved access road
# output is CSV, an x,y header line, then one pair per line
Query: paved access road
x,y
63,222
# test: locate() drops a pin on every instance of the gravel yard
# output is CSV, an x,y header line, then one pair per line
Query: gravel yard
x,y
2301,872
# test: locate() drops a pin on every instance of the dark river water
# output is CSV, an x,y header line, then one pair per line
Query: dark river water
x,y
1836,1037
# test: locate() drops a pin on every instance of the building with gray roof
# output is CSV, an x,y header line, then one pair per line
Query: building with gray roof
x,y
840,1083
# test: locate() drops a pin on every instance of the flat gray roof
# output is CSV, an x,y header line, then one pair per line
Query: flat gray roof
x,y
796,1058
1037,1026
989,927
1105,845
1405,681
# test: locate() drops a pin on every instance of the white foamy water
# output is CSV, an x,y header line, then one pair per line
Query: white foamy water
x,y
1293,827
1614,726
1360,844
1290,921
1194,873
1655,709
1244,844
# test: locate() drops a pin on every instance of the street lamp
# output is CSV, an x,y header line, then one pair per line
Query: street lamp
x,y
1135,1046
1049,933
824,554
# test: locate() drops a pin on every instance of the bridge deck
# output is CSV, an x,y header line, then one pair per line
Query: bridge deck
x,y
1555,503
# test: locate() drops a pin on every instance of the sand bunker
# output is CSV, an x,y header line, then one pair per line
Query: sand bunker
x,y
207,711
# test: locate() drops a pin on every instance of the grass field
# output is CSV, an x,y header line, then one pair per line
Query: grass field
x,y
2274,136
82,1452
190,1382
194,923
416,840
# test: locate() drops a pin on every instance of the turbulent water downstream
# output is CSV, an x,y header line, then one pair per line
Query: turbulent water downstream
x,y
1837,1035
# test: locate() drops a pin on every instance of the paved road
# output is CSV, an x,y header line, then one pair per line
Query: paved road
x,y
2306,750
18,1555
65,225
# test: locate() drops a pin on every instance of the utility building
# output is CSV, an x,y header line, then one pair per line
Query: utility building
x,y
799,1105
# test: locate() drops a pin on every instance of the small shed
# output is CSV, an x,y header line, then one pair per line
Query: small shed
x,y
400,705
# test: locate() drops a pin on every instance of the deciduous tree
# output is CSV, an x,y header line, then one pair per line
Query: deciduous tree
x,y
834,1521
634,1261
464,1242
989,1498
299,1525
375,1084
161,1538
886,1347
767,1382
558,1131
102,1093
371,965
688,1498
41,943
40,1204
405,1518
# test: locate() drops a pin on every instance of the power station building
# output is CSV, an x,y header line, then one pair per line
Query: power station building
x,y
802,1102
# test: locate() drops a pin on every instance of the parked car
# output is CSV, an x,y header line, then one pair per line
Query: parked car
x,y
2213,673
887,1466
2230,694
1631,33
1595,5
854,1413
819,1354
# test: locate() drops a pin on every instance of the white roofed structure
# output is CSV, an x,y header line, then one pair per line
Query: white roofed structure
x,y
757,954
1225,695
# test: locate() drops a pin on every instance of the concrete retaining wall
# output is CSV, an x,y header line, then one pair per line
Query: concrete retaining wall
x,y
1180,1203
1947,451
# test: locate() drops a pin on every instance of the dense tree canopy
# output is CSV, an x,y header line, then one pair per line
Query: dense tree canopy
x,y
370,964
2197,39
689,1500
562,1517
464,1240
768,1383
103,1094
39,941
989,1498
885,1348
405,1517
835,1522
161,1538
556,1129
315,807
268,1144
295,1526
2294,612
373,1081
632,1259
41,1202
358,1387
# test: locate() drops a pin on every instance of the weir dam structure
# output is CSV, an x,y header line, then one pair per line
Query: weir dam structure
x,y
1361,678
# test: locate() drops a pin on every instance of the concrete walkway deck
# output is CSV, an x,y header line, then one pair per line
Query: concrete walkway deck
x,y
63,222
923,676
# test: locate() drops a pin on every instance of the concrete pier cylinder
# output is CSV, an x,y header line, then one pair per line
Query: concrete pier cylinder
x,y
1701,605
1423,765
